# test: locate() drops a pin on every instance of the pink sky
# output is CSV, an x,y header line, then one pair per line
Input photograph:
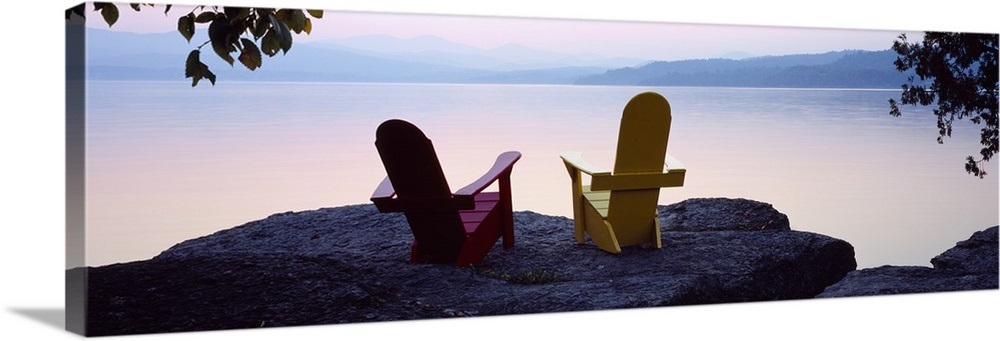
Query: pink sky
x,y
608,37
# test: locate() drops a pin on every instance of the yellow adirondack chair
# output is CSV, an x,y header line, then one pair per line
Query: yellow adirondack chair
x,y
619,208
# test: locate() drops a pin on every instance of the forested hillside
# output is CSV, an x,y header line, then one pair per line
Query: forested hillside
x,y
842,69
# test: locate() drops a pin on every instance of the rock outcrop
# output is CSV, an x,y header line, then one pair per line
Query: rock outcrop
x,y
970,265
978,254
721,214
349,264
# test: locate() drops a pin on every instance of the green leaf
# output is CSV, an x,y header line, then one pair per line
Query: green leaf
x,y
205,17
263,11
270,44
236,13
218,33
196,70
281,33
167,10
108,11
309,26
283,14
251,55
260,27
135,6
192,64
296,20
293,19
209,75
316,13
185,25
238,29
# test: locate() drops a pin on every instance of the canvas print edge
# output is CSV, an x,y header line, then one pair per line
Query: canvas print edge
x,y
68,202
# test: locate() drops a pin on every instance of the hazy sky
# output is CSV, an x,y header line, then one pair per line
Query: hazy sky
x,y
607,38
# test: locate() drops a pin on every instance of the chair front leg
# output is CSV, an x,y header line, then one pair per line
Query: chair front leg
x,y
577,192
507,211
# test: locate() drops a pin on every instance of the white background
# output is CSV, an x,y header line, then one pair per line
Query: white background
x,y
32,189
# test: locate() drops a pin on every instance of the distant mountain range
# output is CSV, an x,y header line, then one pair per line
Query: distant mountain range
x,y
841,69
435,50
429,59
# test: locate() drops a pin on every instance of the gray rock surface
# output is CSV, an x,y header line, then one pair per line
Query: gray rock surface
x,y
718,214
970,265
349,264
978,254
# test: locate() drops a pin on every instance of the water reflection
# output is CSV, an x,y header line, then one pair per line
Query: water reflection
x,y
167,163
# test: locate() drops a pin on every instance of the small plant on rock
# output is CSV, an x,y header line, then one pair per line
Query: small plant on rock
x,y
529,276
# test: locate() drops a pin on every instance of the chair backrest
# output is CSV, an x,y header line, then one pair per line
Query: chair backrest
x,y
642,148
415,173
643,135
410,161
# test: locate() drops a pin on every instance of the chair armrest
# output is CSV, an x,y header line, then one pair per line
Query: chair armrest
x,y
385,200
384,190
383,193
503,165
673,165
672,176
637,181
576,161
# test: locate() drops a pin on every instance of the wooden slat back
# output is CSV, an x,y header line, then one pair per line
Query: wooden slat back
x,y
415,172
643,135
410,161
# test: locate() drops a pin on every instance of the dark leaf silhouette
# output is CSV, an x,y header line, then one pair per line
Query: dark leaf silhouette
x,y
250,57
249,31
962,68
196,70
281,33
219,33
185,25
108,11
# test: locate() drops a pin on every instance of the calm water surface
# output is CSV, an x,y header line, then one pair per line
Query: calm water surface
x,y
167,163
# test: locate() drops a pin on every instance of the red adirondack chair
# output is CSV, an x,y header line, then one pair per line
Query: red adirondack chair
x,y
458,228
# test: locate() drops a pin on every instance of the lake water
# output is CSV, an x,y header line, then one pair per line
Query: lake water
x,y
167,163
